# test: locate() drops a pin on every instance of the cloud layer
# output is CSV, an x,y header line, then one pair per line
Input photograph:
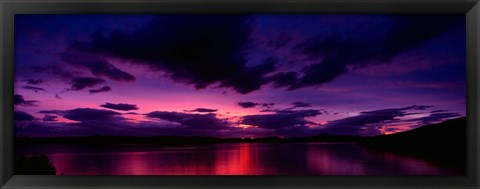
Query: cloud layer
x,y
237,75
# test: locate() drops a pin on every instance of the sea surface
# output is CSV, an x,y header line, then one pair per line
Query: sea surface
x,y
231,159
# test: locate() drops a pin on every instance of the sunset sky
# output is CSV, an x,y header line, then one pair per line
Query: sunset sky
x,y
236,75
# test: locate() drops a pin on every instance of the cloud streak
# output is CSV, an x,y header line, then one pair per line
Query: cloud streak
x,y
202,110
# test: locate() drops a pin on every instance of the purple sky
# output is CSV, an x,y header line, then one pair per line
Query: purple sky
x,y
236,75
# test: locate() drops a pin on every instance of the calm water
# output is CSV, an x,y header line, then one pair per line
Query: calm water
x,y
231,159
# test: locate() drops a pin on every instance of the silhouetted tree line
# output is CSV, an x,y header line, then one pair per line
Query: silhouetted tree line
x,y
37,164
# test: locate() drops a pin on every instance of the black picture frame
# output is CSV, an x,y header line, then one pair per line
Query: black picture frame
x,y
8,8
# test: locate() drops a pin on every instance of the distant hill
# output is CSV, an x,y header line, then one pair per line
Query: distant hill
x,y
179,140
327,138
444,143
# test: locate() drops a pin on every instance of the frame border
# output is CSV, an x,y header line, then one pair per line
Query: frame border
x,y
471,8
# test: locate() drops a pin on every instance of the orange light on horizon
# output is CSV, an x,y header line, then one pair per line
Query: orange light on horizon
x,y
399,128
244,126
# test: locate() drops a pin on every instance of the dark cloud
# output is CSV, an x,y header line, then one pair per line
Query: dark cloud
x,y
192,50
98,66
203,110
50,118
19,100
22,116
85,114
56,112
247,104
284,79
367,123
250,78
120,106
34,81
280,40
419,107
192,121
267,105
301,105
53,69
80,83
281,119
253,104
36,89
335,54
100,90
198,50
89,114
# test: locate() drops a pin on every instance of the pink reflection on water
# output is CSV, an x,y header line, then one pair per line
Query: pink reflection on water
x,y
347,159
137,164
414,166
60,163
323,161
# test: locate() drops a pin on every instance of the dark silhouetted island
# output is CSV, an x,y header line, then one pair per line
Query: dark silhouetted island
x,y
444,143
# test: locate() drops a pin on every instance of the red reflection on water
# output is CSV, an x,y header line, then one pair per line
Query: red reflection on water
x,y
240,161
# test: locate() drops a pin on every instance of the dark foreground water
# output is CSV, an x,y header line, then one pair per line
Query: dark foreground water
x,y
232,159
